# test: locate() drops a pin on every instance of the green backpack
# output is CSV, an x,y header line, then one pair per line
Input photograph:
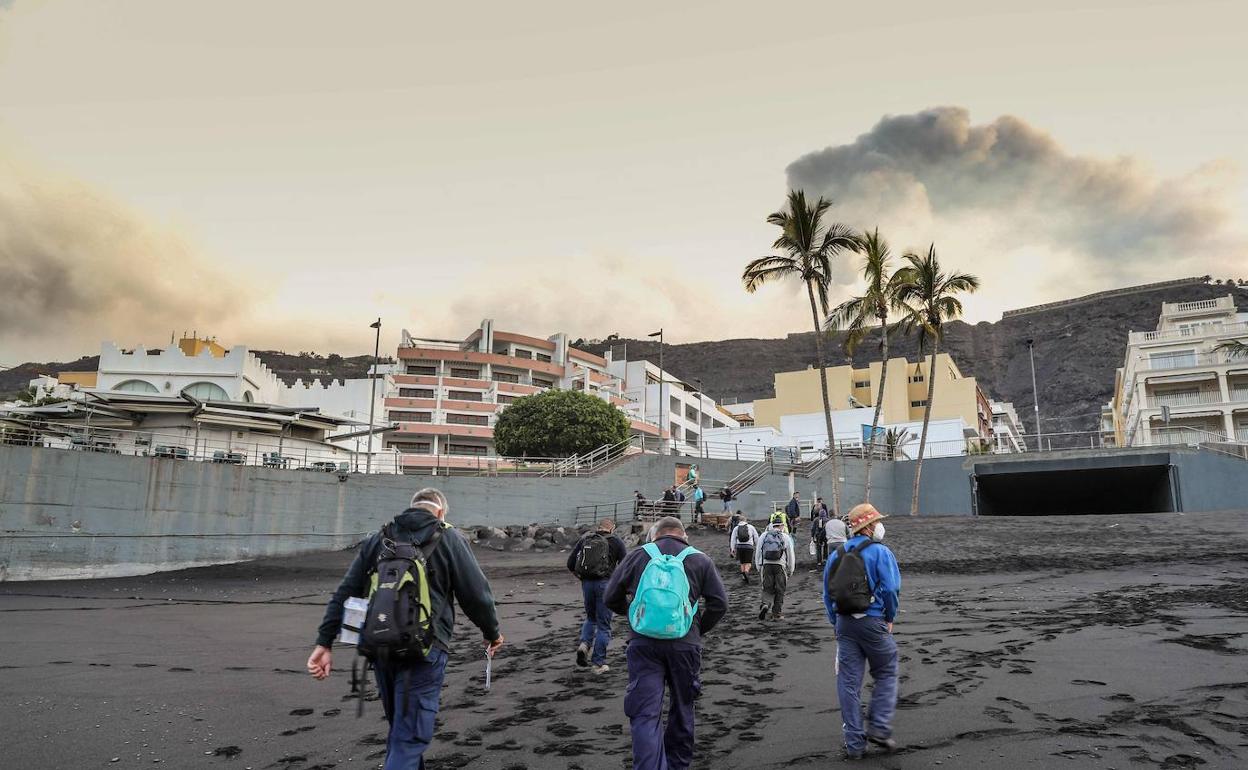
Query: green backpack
x,y
661,608
399,621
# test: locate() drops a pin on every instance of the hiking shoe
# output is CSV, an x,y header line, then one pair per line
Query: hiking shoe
x,y
604,668
582,655
851,755
762,614
888,744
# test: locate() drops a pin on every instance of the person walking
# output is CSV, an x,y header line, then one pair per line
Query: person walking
x,y
819,519
639,503
669,500
837,533
699,497
793,510
742,542
409,680
776,561
665,645
862,586
593,559
725,497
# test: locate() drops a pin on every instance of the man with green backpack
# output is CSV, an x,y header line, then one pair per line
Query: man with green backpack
x,y
410,571
672,595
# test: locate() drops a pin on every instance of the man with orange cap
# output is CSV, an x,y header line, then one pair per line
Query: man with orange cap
x,y
861,585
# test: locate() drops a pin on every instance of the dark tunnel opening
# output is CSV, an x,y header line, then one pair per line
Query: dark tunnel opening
x,y
1137,489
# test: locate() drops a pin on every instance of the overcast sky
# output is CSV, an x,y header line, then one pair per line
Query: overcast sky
x,y
279,173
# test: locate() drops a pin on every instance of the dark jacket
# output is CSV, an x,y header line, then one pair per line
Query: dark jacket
x,y
793,509
705,587
453,571
614,544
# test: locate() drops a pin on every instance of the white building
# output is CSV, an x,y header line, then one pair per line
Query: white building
x,y
660,397
1176,386
1007,429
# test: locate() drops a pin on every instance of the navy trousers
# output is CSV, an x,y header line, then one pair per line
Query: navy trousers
x,y
409,693
653,667
861,643
596,630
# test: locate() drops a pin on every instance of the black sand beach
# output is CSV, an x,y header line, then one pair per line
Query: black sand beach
x,y
1108,641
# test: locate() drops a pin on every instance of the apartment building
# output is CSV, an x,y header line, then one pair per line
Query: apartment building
x,y
905,394
1007,429
447,394
660,397
1175,385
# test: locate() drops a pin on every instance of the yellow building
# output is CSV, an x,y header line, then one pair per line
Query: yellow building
x,y
905,393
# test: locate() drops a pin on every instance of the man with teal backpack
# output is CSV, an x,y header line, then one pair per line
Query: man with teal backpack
x,y
672,595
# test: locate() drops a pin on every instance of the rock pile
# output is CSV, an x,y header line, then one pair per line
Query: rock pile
x,y
538,537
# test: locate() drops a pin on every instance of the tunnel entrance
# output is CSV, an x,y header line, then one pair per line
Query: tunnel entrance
x,y
1083,487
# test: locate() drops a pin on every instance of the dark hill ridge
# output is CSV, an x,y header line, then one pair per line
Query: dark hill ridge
x,y
1079,344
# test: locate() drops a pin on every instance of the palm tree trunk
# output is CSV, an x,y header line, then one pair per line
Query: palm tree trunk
x,y
827,405
927,416
879,403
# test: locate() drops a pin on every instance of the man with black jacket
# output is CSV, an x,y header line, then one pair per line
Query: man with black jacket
x,y
657,664
410,691
593,559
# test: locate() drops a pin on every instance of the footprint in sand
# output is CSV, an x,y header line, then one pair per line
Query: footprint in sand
x,y
181,669
1092,682
298,730
303,712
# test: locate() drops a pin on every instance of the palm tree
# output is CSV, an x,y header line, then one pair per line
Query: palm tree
x,y
895,440
808,245
929,296
1233,348
856,315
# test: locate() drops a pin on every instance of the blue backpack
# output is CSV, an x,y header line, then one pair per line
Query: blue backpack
x,y
661,607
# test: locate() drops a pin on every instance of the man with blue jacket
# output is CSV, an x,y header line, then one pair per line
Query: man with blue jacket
x,y
674,664
865,639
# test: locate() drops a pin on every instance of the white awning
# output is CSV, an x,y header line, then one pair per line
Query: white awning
x,y
1196,377
1186,416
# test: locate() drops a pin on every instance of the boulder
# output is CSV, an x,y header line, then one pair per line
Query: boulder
x,y
525,544
560,537
543,545
531,531
540,533
514,530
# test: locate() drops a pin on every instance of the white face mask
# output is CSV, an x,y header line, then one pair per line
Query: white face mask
x,y
877,534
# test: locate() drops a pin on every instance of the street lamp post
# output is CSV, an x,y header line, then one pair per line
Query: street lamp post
x,y
372,396
662,395
1035,393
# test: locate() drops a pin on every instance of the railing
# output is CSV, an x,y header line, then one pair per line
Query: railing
x,y
1185,399
184,445
1183,307
1167,363
1192,333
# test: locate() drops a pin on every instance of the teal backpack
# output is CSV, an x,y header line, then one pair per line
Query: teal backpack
x,y
661,608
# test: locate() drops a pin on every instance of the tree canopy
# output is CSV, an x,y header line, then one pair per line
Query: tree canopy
x,y
558,423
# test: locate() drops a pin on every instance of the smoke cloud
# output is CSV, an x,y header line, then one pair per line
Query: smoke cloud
x,y
77,266
1009,202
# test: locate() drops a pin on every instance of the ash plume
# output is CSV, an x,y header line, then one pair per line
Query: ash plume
x,y
1007,200
77,266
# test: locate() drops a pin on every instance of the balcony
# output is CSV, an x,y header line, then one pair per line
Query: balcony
x,y
1202,306
1238,328
1188,361
1158,400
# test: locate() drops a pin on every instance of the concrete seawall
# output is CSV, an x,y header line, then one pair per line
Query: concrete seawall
x,y
69,514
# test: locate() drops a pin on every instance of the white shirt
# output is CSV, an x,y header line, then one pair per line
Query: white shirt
x,y
790,558
734,544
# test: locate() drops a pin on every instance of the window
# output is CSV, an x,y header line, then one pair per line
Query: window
x,y
691,414
505,377
413,447
465,395
467,419
416,392
136,386
466,374
523,353
398,416
674,429
675,405
504,399
422,369
206,391
543,357
541,383
916,378
862,383
916,404
691,437
1172,360
467,449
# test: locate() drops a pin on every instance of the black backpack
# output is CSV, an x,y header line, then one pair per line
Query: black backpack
x,y
399,621
594,562
847,584
743,534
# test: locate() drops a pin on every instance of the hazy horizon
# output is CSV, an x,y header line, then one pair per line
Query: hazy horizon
x,y
280,174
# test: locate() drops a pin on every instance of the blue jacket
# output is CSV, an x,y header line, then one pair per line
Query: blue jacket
x,y
793,509
882,575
